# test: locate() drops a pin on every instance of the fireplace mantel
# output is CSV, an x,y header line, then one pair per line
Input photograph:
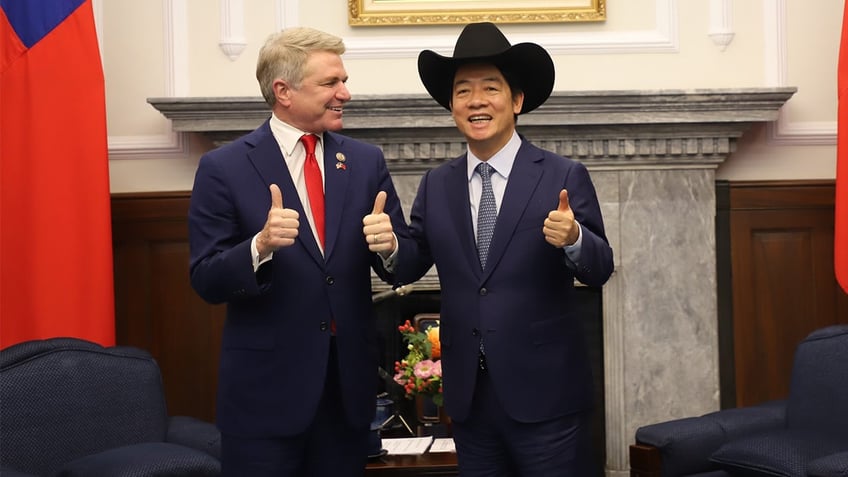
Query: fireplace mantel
x,y
604,129
652,156
215,115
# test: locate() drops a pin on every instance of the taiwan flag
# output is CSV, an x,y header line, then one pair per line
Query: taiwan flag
x,y
55,224
840,245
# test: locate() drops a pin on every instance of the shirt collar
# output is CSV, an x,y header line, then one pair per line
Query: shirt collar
x,y
288,136
502,161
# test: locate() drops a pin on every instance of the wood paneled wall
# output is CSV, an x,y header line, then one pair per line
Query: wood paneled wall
x,y
156,309
782,280
779,238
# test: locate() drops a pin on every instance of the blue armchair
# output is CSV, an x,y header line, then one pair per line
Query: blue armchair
x,y
805,435
70,407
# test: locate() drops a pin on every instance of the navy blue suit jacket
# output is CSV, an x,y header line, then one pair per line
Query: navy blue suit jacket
x,y
522,302
276,336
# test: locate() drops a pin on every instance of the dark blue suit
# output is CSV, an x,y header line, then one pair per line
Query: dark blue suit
x,y
521,304
276,338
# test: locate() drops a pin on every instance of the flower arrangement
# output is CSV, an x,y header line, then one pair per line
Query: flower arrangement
x,y
420,372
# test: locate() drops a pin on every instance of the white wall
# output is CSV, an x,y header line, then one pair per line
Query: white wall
x,y
171,48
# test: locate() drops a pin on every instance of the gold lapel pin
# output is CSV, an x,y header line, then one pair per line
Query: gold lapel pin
x,y
340,157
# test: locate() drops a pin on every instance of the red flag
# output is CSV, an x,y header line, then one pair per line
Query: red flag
x,y
55,224
840,243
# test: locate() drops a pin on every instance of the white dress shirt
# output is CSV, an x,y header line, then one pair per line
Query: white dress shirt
x,y
294,155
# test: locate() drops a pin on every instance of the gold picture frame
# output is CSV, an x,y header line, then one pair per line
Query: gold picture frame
x,y
450,12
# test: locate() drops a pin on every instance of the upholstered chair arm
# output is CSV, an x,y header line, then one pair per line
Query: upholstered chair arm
x,y
686,444
194,433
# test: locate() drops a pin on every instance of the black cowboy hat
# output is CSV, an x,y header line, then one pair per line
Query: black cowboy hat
x,y
527,64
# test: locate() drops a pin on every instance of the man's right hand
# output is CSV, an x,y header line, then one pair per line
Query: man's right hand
x,y
377,228
280,229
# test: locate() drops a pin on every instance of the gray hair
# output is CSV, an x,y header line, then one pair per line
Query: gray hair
x,y
284,54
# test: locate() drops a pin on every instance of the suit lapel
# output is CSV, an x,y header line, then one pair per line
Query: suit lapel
x,y
458,203
336,183
269,162
523,180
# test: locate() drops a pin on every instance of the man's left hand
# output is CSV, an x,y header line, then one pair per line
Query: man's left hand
x,y
560,229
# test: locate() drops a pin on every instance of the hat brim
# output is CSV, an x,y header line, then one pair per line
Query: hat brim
x,y
528,63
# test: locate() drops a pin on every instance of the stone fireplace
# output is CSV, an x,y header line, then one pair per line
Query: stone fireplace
x,y
652,156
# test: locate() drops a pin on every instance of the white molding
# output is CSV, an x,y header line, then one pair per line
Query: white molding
x,y
287,14
663,39
232,41
146,147
775,45
175,49
721,23
783,131
176,40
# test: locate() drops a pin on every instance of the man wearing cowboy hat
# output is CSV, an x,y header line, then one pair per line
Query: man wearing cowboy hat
x,y
507,248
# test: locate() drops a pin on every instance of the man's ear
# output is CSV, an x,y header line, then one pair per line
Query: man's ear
x,y
517,102
282,91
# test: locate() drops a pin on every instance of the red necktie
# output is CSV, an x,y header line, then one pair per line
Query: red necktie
x,y
314,184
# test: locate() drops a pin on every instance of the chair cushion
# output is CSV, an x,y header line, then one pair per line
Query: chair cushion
x,y
783,453
152,459
834,465
7,472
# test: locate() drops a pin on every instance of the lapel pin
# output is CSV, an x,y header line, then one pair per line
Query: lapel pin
x,y
341,166
340,157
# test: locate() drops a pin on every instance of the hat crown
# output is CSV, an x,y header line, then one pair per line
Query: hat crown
x,y
480,40
531,68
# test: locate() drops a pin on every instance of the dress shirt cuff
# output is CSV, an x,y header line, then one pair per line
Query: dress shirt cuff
x,y
573,250
389,262
254,254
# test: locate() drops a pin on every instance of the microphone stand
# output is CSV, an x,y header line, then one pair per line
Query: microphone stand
x,y
395,412
402,290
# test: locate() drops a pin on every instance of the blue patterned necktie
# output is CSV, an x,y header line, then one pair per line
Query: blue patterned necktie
x,y
487,213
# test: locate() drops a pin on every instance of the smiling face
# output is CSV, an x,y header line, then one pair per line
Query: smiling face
x,y
316,105
483,107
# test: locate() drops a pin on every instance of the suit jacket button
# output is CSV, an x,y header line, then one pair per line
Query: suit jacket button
x,y
330,280
484,291
475,332
324,326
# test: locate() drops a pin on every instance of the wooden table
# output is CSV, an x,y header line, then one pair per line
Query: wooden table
x,y
440,463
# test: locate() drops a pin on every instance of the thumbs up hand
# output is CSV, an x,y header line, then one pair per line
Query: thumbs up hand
x,y
280,229
377,228
560,229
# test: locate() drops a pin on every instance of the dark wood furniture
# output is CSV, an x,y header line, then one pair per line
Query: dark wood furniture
x,y
783,283
644,461
442,463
